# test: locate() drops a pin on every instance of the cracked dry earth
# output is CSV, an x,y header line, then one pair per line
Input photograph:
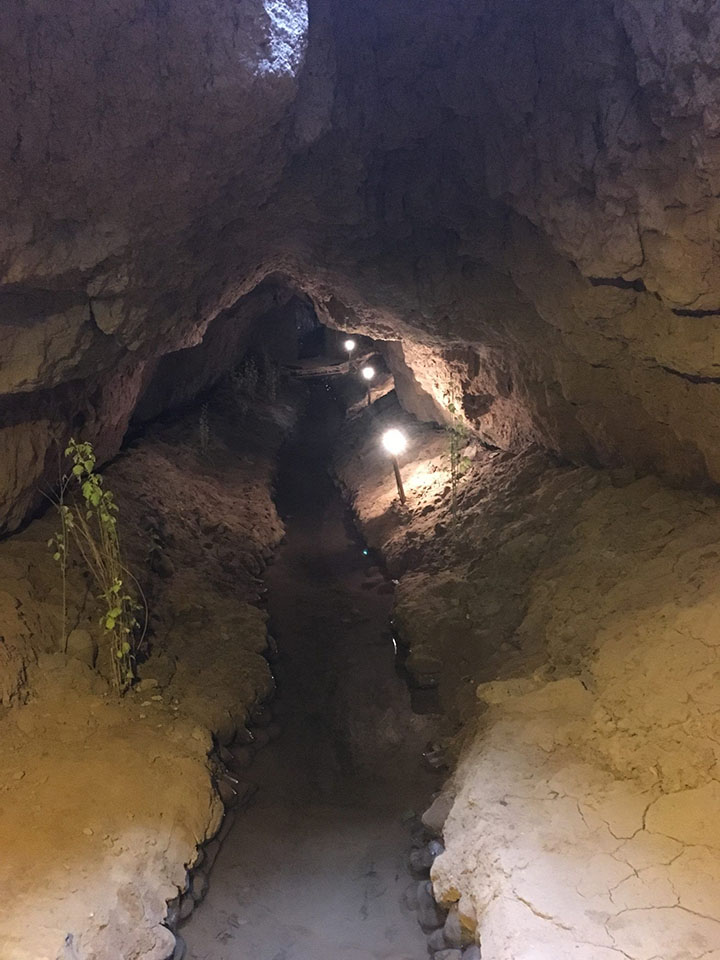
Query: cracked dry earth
x,y
578,609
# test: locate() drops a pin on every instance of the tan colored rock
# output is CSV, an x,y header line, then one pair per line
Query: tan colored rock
x,y
436,814
82,646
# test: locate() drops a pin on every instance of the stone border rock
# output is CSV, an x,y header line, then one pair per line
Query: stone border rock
x,y
450,935
236,792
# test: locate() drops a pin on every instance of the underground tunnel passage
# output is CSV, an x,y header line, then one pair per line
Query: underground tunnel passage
x,y
359,518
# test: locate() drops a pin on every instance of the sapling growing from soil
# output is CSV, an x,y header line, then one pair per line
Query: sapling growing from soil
x,y
91,524
60,543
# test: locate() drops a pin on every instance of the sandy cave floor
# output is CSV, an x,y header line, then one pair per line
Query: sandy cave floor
x,y
316,869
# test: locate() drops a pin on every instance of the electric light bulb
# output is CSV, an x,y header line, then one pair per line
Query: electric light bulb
x,y
394,441
368,372
349,345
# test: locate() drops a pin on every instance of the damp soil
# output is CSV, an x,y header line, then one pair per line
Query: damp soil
x,y
316,868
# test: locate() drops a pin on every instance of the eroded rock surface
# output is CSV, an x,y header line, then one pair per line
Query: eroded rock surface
x,y
577,608
105,800
529,190
521,200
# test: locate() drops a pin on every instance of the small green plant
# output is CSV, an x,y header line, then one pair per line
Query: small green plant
x,y
458,435
92,527
59,543
204,428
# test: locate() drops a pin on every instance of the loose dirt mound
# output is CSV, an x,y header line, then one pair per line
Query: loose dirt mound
x,y
106,799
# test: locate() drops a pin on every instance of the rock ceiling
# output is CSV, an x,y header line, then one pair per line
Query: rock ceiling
x,y
525,194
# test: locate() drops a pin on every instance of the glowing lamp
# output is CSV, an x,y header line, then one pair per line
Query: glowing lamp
x,y
394,442
349,345
368,373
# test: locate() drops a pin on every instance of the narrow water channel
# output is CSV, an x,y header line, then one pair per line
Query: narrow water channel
x,y
316,868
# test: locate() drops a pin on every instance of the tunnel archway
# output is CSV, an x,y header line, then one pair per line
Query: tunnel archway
x,y
511,209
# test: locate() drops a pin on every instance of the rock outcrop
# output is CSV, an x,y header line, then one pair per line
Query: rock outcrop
x,y
531,188
569,618
540,180
132,145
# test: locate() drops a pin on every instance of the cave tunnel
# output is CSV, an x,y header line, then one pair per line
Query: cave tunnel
x,y
360,446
